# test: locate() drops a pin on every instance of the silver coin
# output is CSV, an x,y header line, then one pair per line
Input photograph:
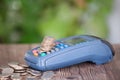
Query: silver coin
x,y
16,66
5,75
3,78
16,76
31,78
23,74
47,75
7,71
23,65
34,72
19,71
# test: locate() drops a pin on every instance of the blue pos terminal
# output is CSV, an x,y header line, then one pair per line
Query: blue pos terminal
x,y
70,51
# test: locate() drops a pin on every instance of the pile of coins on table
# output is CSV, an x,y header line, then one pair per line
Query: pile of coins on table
x,y
15,71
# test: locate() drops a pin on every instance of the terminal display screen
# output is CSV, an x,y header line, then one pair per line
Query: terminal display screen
x,y
74,41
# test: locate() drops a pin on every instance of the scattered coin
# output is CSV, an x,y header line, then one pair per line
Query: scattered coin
x,y
23,65
19,71
16,67
47,75
31,78
7,71
16,76
23,74
34,72
5,76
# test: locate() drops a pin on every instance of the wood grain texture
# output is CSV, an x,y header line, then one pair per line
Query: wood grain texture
x,y
14,52
83,71
3,54
20,52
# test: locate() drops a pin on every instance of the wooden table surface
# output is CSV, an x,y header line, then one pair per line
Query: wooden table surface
x,y
83,71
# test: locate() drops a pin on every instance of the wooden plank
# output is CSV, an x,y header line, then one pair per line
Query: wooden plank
x,y
117,56
113,68
16,52
3,54
20,52
12,52
84,71
91,71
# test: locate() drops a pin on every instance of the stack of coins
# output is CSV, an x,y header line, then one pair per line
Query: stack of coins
x,y
34,72
17,68
47,44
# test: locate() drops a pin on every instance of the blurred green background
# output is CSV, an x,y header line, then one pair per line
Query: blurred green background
x,y
28,21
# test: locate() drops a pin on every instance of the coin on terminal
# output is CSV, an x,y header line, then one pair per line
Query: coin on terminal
x,y
47,44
